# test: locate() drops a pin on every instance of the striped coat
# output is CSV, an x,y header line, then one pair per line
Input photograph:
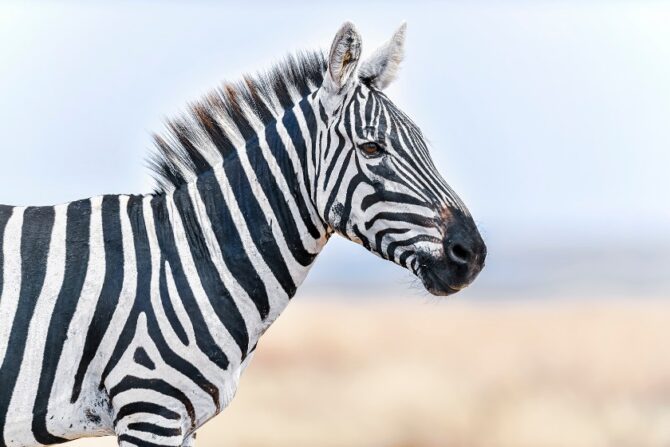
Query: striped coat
x,y
134,315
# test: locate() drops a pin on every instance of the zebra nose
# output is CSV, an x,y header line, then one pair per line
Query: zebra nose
x,y
464,252
459,253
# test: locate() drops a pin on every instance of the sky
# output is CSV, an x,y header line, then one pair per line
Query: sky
x,y
549,118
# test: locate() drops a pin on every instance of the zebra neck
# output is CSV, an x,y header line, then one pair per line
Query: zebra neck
x,y
251,221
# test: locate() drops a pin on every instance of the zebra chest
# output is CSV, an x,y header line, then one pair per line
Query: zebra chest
x,y
177,380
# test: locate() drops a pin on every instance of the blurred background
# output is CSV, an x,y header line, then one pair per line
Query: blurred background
x,y
549,118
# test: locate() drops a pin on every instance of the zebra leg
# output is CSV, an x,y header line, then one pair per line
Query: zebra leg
x,y
150,434
149,424
130,441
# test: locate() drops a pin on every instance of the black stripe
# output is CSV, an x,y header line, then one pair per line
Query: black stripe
x,y
410,218
386,170
218,136
335,191
256,98
300,145
5,214
154,429
429,176
346,208
384,195
260,231
390,250
363,238
379,112
358,120
416,164
398,171
280,154
351,188
145,407
322,113
77,251
180,364
379,237
280,208
281,91
125,438
231,245
341,144
143,306
403,257
109,294
185,135
157,385
222,302
35,239
142,288
142,358
165,235
258,225
319,163
368,109
168,308
409,165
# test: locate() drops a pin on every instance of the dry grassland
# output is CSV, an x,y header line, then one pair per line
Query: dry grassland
x,y
459,374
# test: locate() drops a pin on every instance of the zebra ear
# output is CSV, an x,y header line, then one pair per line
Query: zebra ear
x,y
345,52
381,68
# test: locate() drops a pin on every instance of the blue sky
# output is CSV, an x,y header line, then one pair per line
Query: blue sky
x,y
551,119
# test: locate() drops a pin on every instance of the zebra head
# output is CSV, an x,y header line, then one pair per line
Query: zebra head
x,y
376,183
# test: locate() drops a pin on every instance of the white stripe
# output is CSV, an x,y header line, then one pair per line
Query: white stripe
x,y
219,332
296,270
60,412
125,304
178,305
17,432
276,295
190,354
11,270
311,245
246,306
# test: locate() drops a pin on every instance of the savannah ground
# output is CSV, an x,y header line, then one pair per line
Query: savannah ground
x,y
427,373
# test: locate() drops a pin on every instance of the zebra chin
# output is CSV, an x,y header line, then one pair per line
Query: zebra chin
x,y
438,284
440,278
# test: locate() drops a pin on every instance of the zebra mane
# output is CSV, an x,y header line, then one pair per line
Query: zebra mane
x,y
202,137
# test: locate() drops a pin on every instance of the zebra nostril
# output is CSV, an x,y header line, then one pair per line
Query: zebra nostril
x,y
459,253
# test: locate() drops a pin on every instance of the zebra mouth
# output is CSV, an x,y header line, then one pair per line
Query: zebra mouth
x,y
436,285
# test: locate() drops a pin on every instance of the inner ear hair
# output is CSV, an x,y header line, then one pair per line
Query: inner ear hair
x,y
343,57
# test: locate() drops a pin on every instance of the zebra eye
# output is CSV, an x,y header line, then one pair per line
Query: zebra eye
x,y
371,149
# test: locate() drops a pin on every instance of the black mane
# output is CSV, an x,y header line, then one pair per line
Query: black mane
x,y
205,132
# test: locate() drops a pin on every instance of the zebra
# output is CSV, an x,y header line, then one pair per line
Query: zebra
x,y
134,315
